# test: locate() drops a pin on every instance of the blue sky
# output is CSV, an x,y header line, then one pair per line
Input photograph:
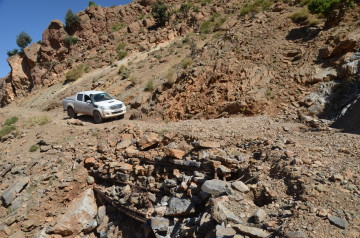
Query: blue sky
x,y
33,17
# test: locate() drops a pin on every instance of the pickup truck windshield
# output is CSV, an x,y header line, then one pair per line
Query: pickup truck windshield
x,y
101,97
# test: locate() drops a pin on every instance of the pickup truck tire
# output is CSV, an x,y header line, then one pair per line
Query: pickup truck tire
x,y
71,113
97,117
121,117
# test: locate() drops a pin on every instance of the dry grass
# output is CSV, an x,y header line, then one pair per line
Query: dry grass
x,y
38,120
77,72
303,16
255,7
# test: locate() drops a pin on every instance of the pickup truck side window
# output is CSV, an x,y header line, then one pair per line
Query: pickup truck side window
x,y
79,97
86,98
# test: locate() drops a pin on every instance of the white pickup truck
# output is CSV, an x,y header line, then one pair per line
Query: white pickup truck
x,y
98,104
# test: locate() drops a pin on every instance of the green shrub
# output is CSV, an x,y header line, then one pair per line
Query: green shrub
x,y
12,52
255,7
328,7
86,69
304,2
121,50
212,24
322,6
149,86
11,121
196,9
70,40
185,9
186,63
206,27
186,40
205,2
118,26
50,65
7,130
71,19
76,73
33,148
123,72
23,40
122,54
160,12
142,16
120,46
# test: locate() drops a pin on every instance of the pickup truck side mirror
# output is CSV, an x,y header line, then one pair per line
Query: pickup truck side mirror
x,y
88,101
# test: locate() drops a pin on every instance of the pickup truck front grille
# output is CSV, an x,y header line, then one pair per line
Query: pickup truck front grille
x,y
117,106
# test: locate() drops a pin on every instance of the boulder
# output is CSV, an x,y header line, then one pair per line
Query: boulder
x,y
350,65
90,161
337,221
224,232
215,187
323,74
260,216
11,192
134,27
350,117
18,234
206,144
175,153
251,231
31,54
102,147
123,144
148,141
159,224
79,216
240,186
53,46
222,214
296,234
20,79
179,206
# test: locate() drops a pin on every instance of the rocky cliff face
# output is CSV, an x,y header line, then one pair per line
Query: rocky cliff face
x,y
98,35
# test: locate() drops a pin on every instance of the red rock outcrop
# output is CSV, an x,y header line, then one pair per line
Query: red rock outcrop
x,y
98,34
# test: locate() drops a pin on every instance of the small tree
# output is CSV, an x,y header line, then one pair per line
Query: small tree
x,y
23,40
70,40
91,3
12,52
185,9
160,12
333,10
71,19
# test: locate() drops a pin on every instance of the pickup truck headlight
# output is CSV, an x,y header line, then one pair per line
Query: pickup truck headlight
x,y
104,107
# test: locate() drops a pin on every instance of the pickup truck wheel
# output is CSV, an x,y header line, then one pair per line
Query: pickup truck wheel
x,y
97,117
121,116
71,112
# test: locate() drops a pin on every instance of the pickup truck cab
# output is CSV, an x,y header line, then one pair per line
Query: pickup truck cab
x,y
98,104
